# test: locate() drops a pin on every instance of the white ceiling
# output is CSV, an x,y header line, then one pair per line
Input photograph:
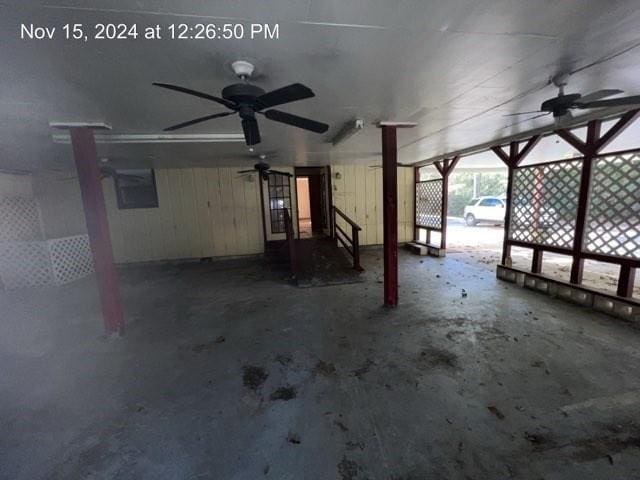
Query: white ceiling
x,y
455,67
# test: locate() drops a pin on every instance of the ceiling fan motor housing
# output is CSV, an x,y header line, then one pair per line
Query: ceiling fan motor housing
x,y
242,93
560,105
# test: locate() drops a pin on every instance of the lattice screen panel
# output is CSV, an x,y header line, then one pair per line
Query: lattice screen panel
x,y
429,204
25,264
71,258
545,203
19,219
613,219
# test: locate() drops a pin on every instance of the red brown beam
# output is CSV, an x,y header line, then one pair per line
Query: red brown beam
x,y
86,159
390,214
390,208
536,263
416,178
626,281
617,128
589,151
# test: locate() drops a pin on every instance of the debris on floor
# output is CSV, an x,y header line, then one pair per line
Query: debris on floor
x,y
496,412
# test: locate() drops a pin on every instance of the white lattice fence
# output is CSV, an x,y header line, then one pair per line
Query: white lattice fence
x,y
25,264
19,219
48,262
71,258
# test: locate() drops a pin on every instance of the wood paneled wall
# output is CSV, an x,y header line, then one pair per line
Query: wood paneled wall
x,y
358,193
212,212
203,212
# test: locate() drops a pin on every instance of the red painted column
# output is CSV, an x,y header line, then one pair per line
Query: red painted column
x,y
86,158
390,214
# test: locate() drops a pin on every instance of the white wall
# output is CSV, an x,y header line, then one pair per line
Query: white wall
x,y
358,193
60,204
15,185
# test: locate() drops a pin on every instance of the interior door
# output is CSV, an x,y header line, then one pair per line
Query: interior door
x,y
315,202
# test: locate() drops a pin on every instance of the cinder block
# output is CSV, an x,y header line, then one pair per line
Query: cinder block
x,y
437,252
417,249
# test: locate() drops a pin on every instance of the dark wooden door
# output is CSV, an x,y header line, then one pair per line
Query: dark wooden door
x,y
315,202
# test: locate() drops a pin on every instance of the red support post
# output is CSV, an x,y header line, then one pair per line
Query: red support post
x,y
626,281
589,150
536,263
416,179
86,159
390,214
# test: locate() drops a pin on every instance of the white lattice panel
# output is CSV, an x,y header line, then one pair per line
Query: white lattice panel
x,y
71,258
19,219
25,264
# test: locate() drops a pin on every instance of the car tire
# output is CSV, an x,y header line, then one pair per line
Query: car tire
x,y
470,220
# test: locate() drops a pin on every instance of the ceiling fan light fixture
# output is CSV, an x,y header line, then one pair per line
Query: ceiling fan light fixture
x,y
242,68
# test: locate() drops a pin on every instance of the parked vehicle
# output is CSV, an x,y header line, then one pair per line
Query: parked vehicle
x,y
485,209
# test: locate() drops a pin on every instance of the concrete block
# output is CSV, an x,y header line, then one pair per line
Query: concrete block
x,y
417,249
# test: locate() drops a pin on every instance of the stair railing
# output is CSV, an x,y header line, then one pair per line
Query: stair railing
x,y
351,244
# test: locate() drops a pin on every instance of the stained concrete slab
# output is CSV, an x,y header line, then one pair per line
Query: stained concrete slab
x,y
502,383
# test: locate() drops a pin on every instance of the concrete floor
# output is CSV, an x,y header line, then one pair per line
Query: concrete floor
x,y
228,372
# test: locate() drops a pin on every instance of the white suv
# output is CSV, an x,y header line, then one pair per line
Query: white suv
x,y
485,209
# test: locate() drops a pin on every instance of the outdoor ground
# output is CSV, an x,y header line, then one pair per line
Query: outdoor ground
x,y
228,372
482,245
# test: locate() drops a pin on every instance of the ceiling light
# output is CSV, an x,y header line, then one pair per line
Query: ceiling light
x,y
348,129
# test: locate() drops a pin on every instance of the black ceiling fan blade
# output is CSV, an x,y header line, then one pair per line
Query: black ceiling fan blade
x,y
278,172
251,131
614,102
521,113
247,171
197,120
195,93
290,93
296,121
599,94
526,120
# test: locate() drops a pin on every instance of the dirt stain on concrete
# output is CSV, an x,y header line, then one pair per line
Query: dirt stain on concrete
x,y
325,369
285,393
433,357
253,377
348,469
364,369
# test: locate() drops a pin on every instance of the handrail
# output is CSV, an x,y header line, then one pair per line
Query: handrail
x,y
351,245
291,241
346,219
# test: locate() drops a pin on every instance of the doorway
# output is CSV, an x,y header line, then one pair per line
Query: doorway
x,y
312,191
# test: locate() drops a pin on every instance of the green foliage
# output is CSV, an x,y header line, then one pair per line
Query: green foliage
x,y
461,189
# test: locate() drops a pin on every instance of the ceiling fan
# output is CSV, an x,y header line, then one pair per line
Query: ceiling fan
x,y
561,105
264,169
248,100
